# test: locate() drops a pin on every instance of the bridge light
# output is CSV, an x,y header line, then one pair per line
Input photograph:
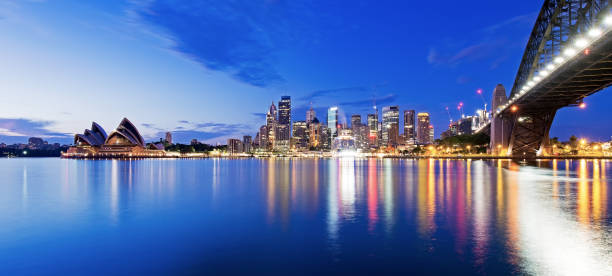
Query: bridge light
x,y
544,73
530,83
582,105
569,52
608,20
537,78
595,32
514,108
558,60
581,43
550,67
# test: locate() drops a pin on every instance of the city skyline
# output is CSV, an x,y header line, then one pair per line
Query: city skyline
x,y
66,70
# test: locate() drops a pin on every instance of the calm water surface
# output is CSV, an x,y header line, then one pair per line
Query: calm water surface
x,y
305,216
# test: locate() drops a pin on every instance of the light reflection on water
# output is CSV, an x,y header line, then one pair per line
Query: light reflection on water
x,y
423,216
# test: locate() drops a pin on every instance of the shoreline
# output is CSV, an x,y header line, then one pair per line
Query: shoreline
x,y
333,157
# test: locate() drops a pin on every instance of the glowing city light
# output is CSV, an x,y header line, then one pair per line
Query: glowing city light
x,y
582,105
569,52
581,43
608,20
514,108
595,32
558,60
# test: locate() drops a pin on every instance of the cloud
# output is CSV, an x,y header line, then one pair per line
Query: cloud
x,y
240,38
259,115
183,122
325,92
369,102
18,130
492,44
523,19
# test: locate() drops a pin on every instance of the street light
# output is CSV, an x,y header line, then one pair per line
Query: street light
x,y
514,108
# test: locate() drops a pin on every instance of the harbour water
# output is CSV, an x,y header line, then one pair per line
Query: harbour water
x,y
305,216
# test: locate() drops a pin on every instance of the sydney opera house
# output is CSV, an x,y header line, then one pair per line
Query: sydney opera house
x,y
123,142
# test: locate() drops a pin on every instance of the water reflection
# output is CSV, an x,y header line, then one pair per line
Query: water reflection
x,y
469,216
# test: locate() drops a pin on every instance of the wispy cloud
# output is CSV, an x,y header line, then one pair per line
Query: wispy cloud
x,y
237,37
490,44
522,19
389,99
334,92
17,130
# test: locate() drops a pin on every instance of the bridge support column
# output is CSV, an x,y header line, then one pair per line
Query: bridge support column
x,y
529,134
501,127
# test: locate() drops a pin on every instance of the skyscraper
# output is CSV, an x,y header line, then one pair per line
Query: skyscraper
x,y
247,142
355,122
271,123
332,122
423,135
409,133
300,135
283,133
168,137
390,131
373,126
310,115
234,146
263,137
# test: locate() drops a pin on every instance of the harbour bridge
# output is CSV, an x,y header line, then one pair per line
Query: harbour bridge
x,y
568,57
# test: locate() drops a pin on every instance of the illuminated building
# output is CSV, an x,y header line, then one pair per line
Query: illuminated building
x,y
283,130
332,121
409,131
423,130
125,141
263,137
344,142
314,134
373,127
271,123
300,135
168,137
310,115
390,126
247,143
234,146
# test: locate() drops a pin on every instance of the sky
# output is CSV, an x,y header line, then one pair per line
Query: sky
x,y
210,69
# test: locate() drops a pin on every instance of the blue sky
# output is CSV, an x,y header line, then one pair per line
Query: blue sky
x,y
209,69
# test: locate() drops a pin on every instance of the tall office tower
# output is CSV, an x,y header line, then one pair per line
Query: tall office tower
x,y
431,134
247,142
300,135
373,127
263,137
314,134
390,133
423,128
271,123
168,137
409,133
499,131
310,115
355,122
284,118
256,141
325,137
332,122
234,146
